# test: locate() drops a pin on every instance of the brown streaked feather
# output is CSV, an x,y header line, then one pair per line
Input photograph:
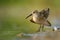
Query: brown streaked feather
x,y
46,13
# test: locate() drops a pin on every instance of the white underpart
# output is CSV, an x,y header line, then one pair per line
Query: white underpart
x,y
35,17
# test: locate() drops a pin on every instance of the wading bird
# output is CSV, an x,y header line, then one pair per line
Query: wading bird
x,y
40,18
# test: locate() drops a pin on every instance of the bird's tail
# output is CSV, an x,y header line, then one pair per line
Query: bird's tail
x,y
47,23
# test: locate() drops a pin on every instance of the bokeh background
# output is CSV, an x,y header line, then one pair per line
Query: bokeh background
x,y
13,13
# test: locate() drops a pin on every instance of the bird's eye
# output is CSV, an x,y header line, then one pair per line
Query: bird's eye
x,y
33,12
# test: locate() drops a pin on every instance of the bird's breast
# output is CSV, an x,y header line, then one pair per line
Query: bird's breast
x,y
38,19
35,17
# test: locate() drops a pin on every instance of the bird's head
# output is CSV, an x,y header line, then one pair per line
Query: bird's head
x,y
36,11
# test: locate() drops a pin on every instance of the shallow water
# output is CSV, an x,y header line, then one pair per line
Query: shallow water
x,y
43,36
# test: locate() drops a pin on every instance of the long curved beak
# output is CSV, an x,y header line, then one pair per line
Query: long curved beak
x,y
28,16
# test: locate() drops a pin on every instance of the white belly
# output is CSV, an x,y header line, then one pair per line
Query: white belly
x,y
35,17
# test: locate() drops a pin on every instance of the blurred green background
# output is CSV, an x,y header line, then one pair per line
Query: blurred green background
x,y
13,13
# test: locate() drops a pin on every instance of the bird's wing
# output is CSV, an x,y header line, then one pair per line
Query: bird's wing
x,y
46,13
28,16
47,23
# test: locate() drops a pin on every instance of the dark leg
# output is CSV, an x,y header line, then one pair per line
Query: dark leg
x,y
39,29
42,27
53,30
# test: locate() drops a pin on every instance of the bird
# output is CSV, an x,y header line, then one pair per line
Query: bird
x,y
40,17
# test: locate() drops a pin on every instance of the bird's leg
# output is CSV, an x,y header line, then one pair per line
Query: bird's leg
x,y
39,28
53,30
42,27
